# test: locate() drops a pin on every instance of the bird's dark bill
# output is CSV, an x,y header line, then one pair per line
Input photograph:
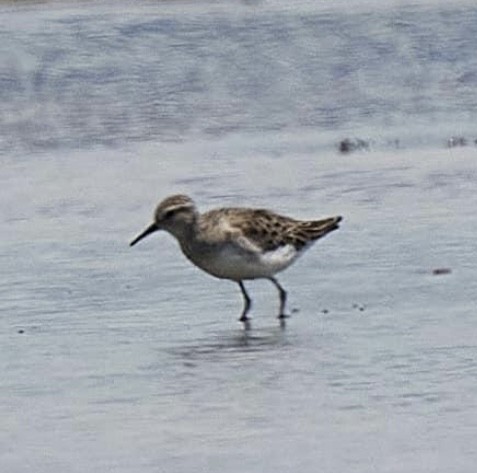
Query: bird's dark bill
x,y
150,229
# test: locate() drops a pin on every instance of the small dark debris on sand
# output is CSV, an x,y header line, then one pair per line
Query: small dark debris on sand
x,y
21,331
351,145
441,271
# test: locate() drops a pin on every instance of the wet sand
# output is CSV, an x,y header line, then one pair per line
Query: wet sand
x,y
133,360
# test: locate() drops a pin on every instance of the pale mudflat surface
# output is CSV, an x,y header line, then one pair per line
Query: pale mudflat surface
x,y
132,360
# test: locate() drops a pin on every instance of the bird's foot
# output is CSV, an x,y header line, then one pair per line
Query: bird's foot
x,y
282,318
246,323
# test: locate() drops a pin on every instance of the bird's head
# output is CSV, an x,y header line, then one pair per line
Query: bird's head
x,y
176,214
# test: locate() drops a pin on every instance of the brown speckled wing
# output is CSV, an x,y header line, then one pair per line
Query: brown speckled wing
x,y
269,231
265,229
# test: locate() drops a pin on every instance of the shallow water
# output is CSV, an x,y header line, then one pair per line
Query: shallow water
x,y
129,359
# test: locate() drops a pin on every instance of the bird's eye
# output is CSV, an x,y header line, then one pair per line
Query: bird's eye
x,y
169,213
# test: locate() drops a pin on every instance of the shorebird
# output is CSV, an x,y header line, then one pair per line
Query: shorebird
x,y
238,243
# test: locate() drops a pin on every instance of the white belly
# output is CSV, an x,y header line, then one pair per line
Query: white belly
x,y
231,264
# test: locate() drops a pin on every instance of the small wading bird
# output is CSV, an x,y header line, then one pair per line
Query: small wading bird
x,y
238,243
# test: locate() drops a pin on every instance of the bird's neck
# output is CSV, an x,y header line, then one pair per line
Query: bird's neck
x,y
186,235
192,243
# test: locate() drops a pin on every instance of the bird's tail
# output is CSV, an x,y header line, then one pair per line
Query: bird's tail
x,y
306,232
319,228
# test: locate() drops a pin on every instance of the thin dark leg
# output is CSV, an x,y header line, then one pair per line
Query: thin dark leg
x,y
247,303
283,298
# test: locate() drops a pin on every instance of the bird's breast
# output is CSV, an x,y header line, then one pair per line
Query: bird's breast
x,y
230,262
